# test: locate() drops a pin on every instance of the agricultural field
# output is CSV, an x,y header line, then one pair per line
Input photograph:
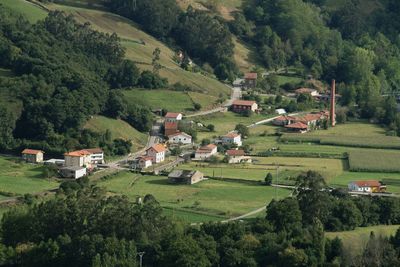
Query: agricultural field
x,y
212,198
17,178
32,12
282,79
118,129
377,161
356,240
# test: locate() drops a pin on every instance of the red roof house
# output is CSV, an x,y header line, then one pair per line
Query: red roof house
x,y
242,105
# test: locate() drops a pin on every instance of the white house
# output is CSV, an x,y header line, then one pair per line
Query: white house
x,y
180,138
237,156
97,155
32,155
205,152
142,162
74,172
232,138
79,158
156,153
370,186
173,117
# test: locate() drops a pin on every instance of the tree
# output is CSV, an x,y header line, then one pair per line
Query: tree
x,y
268,179
156,61
197,106
211,127
242,129
285,215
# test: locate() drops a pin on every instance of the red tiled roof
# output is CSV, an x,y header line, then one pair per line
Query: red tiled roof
x,y
31,151
78,153
243,102
232,135
285,118
94,150
206,148
171,125
234,152
158,148
297,125
250,76
172,115
145,158
179,133
370,183
309,117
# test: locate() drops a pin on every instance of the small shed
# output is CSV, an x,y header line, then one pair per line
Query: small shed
x,y
185,177
74,172
32,155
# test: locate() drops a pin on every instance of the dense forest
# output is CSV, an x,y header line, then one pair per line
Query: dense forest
x,y
64,72
83,226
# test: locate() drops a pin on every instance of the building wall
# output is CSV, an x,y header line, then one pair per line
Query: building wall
x,y
181,139
97,158
197,177
74,161
156,157
33,158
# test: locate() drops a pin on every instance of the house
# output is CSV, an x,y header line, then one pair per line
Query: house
x,y
280,111
283,120
173,117
205,152
79,158
312,120
371,186
237,156
170,128
250,80
32,155
297,127
180,138
142,162
238,82
232,138
185,177
312,92
242,105
96,156
74,172
156,153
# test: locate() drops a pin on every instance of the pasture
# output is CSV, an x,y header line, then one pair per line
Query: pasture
x,y
376,161
210,197
118,129
32,12
18,178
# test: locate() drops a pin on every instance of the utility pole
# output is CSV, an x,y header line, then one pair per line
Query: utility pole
x,y
141,258
276,181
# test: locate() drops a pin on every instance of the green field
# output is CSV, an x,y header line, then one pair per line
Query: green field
x,y
32,12
21,178
377,161
211,197
118,129
282,79
356,240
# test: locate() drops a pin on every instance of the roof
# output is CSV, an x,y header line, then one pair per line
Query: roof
x,y
182,174
206,148
180,133
31,151
251,76
309,117
243,102
234,152
369,183
297,125
172,115
232,135
304,90
171,125
284,118
158,148
95,150
78,153
144,158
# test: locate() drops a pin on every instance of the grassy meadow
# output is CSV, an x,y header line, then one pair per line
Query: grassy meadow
x,y
18,178
32,12
212,198
377,161
118,129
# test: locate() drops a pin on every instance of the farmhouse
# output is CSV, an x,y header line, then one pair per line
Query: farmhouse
x,y
283,120
250,80
96,155
242,105
142,162
180,138
232,138
312,92
173,117
74,172
32,155
185,177
237,156
205,152
170,128
79,158
297,127
156,153
371,186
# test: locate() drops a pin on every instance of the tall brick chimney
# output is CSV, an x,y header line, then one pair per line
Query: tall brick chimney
x,y
332,114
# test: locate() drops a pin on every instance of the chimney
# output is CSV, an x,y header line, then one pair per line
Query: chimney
x,y
332,114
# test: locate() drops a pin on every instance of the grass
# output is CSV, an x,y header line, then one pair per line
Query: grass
x,y
282,79
213,198
32,12
378,161
356,240
21,178
118,129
